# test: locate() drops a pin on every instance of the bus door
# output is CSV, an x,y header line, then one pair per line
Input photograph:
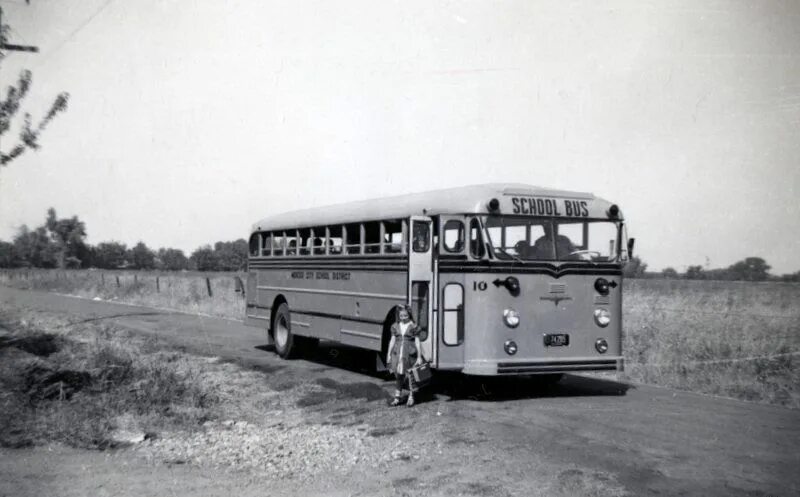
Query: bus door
x,y
457,241
420,280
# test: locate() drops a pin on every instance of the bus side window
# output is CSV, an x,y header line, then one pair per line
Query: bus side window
x,y
453,236
393,237
266,243
476,247
372,238
335,240
319,242
254,240
290,242
304,241
353,242
278,243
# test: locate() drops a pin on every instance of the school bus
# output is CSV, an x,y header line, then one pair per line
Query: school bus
x,y
503,279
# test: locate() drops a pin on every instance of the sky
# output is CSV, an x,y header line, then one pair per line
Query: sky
x,y
188,121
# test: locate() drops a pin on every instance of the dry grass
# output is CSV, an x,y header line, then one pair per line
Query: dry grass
x,y
735,339
182,291
81,384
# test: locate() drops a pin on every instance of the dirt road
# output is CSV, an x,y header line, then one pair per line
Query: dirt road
x,y
584,436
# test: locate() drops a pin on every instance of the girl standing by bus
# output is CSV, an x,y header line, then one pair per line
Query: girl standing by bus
x,y
404,347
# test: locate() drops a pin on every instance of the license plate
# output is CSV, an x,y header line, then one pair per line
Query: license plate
x,y
556,340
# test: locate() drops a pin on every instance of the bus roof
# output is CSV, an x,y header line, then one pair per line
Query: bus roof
x,y
472,199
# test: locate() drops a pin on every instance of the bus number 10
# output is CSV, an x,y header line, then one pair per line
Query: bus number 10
x,y
479,286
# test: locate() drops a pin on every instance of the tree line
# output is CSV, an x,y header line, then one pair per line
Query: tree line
x,y
61,243
748,269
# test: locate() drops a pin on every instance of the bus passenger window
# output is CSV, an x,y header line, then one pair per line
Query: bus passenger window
x,y
278,243
290,242
453,319
304,241
318,242
353,243
393,237
421,236
254,238
453,236
266,243
335,241
475,239
372,238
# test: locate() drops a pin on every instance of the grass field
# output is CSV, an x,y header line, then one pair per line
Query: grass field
x,y
729,338
734,339
186,291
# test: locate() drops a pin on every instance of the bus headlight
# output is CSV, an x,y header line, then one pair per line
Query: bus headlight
x,y
511,318
510,347
602,317
601,344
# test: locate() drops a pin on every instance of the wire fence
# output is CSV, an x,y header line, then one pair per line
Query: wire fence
x,y
732,360
123,279
726,313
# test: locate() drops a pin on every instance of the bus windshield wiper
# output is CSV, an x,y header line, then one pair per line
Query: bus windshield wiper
x,y
504,252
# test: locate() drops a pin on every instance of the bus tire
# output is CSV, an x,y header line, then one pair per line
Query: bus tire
x,y
282,333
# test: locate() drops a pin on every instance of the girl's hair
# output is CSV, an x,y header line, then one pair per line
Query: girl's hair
x,y
407,308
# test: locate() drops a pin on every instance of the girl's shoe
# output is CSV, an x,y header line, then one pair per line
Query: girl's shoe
x,y
410,402
395,402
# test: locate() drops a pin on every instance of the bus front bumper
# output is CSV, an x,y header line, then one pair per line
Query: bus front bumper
x,y
566,365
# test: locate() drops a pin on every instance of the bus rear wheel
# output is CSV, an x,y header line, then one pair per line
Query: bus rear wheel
x,y
282,333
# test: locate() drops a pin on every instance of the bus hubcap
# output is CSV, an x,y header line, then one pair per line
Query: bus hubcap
x,y
281,333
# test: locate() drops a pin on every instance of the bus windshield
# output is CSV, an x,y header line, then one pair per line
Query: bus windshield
x,y
553,239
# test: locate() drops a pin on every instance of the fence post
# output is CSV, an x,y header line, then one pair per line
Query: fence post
x,y
158,285
208,285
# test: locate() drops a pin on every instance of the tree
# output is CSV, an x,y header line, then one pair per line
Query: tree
x,y
231,256
9,107
68,236
791,278
204,259
695,273
110,255
172,259
750,269
8,255
36,248
634,268
142,257
670,273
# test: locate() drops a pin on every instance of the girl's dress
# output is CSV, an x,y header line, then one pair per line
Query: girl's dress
x,y
404,353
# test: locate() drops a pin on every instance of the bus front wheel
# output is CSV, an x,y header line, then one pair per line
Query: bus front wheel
x,y
282,332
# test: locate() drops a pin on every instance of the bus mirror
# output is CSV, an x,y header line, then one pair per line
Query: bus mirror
x,y
631,242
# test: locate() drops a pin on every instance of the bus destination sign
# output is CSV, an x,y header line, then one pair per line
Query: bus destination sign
x,y
533,206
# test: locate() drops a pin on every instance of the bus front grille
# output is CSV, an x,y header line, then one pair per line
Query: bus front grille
x,y
555,366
